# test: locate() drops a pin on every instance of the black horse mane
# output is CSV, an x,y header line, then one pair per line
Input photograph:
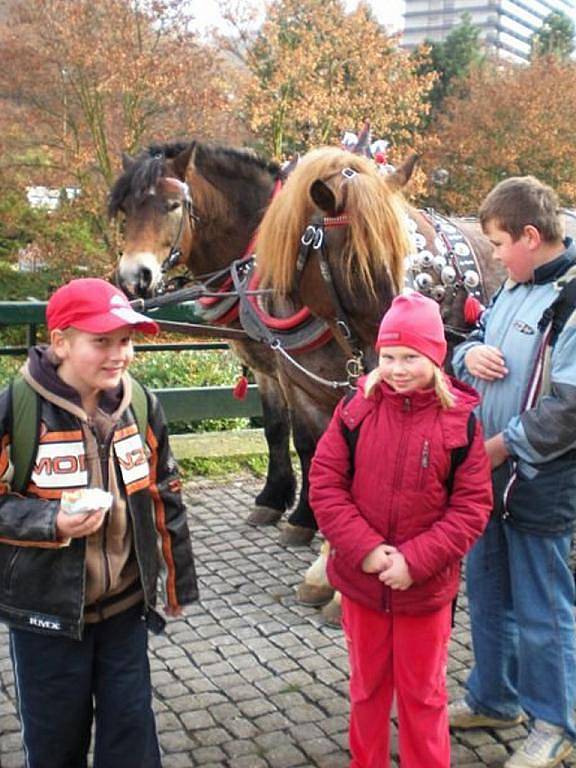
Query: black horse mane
x,y
150,165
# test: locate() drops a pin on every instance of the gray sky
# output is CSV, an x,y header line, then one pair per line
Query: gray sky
x,y
388,11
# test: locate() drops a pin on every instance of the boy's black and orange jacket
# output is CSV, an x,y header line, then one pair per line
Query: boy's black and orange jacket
x,y
54,586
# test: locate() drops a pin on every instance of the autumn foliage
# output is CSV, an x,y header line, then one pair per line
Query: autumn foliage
x,y
91,79
318,71
515,120
82,81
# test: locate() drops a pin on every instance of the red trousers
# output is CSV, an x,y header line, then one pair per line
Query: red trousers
x,y
405,655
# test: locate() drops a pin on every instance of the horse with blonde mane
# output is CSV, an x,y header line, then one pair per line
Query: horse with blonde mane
x,y
370,244
336,240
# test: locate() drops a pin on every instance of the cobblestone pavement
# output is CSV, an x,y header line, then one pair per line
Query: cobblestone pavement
x,y
249,678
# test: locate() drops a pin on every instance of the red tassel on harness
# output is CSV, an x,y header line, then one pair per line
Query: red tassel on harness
x,y
240,388
472,310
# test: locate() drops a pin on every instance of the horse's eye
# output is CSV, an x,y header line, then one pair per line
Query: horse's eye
x,y
172,205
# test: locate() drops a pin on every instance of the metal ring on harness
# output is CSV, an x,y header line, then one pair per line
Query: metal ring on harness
x,y
318,239
344,329
309,235
171,260
354,366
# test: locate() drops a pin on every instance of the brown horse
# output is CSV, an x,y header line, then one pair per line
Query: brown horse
x,y
206,203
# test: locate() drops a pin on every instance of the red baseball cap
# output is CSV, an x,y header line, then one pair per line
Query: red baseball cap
x,y
94,306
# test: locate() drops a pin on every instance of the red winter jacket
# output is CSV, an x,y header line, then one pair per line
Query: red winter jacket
x,y
398,494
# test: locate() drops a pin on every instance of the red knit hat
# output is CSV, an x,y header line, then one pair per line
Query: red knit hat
x,y
95,306
414,321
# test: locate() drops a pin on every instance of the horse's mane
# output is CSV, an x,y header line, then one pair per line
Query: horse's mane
x,y
150,165
142,173
377,242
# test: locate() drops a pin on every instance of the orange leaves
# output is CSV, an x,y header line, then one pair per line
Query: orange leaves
x,y
516,120
96,78
317,71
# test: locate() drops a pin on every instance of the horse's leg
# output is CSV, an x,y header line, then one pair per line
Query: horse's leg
x,y
279,491
301,526
332,612
316,590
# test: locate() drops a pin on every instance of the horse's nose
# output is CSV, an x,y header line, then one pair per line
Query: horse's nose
x,y
144,281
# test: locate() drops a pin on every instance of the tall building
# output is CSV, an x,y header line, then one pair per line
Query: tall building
x,y
507,25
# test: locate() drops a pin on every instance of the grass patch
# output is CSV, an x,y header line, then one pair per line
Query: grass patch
x,y
222,467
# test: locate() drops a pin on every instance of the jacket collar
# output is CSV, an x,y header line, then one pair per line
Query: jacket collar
x,y
554,269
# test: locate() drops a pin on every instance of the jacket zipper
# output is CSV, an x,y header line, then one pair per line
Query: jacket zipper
x,y
103,455
506,494
10,569
398,472
424,463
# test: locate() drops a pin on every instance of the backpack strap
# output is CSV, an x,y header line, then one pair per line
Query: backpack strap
x,y
458,455
350,435
139,405
563,306
24,431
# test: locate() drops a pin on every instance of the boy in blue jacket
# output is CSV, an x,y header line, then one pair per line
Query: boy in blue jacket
x,y
519,580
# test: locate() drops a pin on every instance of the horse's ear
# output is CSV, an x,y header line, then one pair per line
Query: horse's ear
x,y
289,166
185,160
401,176
324,198
127,161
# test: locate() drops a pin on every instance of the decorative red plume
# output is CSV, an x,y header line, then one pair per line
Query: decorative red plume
x,y
240,388
472,310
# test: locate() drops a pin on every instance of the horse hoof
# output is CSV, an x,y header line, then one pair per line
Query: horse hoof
x,y
313,595
332,614
264,516
295,536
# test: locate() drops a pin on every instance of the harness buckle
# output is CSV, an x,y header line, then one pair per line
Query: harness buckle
x,y
344,329
349,173
354,367
308,235
172,259
318,239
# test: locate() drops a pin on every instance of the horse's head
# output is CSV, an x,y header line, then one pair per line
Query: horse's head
x,y
193,204
153,197
361,216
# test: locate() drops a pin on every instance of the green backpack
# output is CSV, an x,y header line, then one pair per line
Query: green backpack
x,y
25,426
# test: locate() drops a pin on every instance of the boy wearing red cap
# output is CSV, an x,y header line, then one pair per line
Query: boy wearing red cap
x,y
78,567
398,532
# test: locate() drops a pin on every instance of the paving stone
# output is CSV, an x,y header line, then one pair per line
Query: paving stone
x,y
204,755
175,741
195,721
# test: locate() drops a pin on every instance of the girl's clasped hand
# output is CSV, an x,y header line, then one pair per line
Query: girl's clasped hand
x,y
390,565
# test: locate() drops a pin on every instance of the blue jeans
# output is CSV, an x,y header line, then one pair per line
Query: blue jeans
x,y
62,684
521,595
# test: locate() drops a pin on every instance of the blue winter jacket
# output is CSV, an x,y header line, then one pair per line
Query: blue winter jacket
x,y
535,489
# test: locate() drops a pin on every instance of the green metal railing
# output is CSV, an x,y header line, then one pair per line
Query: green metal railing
x,y
179,403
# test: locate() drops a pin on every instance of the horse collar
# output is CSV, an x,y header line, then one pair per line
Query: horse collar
x,y
451,267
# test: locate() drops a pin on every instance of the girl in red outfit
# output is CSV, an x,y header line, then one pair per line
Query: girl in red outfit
x,y
398,532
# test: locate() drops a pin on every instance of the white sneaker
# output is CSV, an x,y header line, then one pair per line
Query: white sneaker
x,y
461,715
545,746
